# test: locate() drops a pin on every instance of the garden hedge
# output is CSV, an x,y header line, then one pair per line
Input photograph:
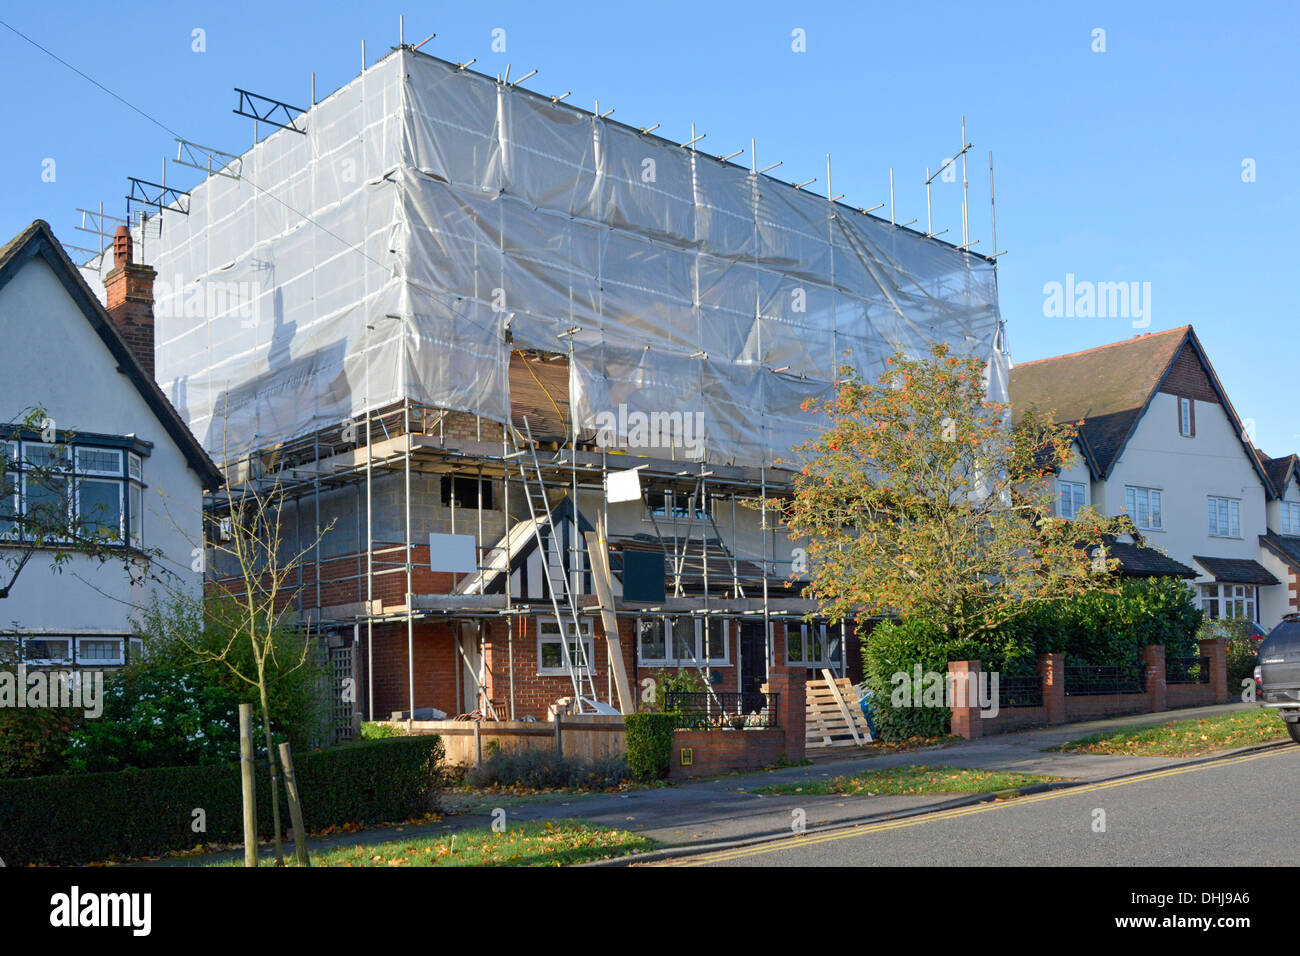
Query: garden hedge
x,y
82,818
650,744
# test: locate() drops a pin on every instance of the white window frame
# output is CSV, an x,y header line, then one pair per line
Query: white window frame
x,y
67,659
694,626
1227,510
588,641
1218,598
1290,517
14,480
825,632
135,648
1062,485
101,662
1185,417
127,475
1131,492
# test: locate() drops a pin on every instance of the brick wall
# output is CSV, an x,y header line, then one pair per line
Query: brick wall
x,y
721,751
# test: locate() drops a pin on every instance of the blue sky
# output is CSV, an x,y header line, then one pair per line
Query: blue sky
x,y
1117,166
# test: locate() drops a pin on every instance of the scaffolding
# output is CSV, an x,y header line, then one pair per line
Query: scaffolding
x,y
332,300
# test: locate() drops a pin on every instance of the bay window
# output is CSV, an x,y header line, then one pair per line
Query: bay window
x,y
1228,601
683,641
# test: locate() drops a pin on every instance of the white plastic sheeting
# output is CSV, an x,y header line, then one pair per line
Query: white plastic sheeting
x,y
429,212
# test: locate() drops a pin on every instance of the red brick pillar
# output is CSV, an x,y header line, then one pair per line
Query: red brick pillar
x,y
1051,671
963,698
1153,664
1217,652
789,683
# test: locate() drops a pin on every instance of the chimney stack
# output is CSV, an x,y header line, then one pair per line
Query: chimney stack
x,y
129,289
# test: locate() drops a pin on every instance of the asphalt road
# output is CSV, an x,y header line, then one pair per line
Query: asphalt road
x,y
1234,812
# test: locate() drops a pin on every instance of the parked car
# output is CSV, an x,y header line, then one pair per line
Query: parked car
x,y
1279,673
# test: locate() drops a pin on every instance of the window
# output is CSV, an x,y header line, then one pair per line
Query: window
x,y
1069,498
1143,506
103,651
465,491
683,641
1186,418
1225,518
1290,517
47,650
681,509
1228,601
550,649
136,648
813,645
55,485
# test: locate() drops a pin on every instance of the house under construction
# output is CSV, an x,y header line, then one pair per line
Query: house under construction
x,y
467,326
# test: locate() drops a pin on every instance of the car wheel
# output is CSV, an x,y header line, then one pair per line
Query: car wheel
x,y
1293,728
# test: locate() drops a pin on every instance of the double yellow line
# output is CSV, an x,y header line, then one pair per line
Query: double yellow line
x,y
796,842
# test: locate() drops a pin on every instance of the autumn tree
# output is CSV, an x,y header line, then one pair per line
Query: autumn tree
x,y
252,592
921,501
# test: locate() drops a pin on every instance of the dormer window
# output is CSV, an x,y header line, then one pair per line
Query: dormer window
x,y
1186,418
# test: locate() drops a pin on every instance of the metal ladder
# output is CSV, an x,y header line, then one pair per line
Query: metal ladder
x,y
559,583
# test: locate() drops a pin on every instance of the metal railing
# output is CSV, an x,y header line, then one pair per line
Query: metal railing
x,y
1023,691
1083,680
726,710
1187,670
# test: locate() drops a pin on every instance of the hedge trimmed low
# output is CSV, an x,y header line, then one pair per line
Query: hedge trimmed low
x,y
82,818
649,744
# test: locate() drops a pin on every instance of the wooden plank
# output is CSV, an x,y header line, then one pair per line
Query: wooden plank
x,y
839,699
598,558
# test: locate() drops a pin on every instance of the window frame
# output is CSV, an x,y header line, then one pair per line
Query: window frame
x,y
1061,485
824,633
588,639
47,661
127,476
695,625
1289,512
1232,507
1186,417
1132,491
98,662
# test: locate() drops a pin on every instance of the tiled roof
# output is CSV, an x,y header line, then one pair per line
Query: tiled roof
x,y
1236,570
1106,387
1139,561
1284,546
1279,471
38,240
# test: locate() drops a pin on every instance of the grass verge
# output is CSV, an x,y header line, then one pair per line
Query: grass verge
x,y
527,844
912,780
1184,738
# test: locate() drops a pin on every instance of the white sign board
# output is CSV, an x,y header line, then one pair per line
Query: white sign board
x,y
623,486
454,553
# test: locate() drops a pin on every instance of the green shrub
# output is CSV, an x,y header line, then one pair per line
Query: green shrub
x,y
675,682
72,819
897,647
649,744
1241,649
543,769
374,730
33,740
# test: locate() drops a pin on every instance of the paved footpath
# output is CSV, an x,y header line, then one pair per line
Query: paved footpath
x,y
726,809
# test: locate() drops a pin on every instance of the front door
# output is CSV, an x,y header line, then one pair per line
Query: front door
x,y
753,665
471,669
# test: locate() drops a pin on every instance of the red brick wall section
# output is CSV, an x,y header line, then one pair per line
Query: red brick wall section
x,y
963,684
1051,670
435,668
1153,662
128,294
1217,651
721,751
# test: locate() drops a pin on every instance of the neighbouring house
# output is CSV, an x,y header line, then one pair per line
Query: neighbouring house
x,y
471,275
1160,440
129,459
1280,543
